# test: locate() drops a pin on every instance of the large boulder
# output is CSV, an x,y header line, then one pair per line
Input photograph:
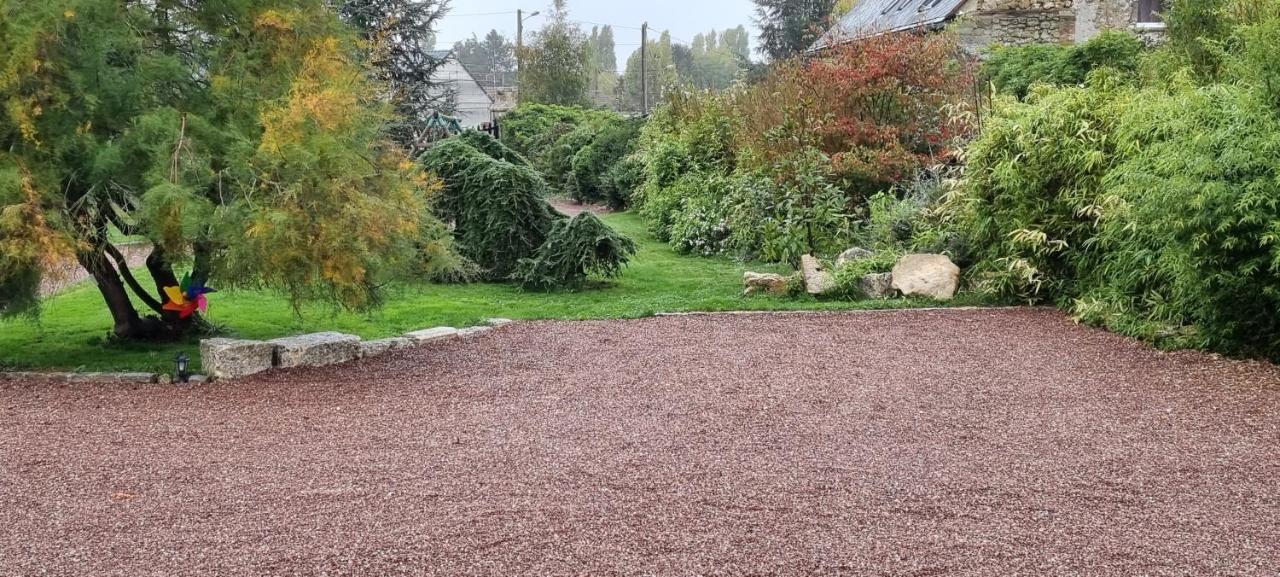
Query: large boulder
x,y
232,358
927,275
853,255
756,282
878,286
316,350
817,279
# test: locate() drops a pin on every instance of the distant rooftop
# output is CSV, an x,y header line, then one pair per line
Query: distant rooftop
x,y
872,17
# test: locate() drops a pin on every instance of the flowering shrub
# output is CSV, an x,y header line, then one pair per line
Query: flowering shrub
x,y
796,156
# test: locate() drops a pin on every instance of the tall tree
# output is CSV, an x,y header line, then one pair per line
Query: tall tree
x,y
606,50
660,74
241,138
737,42
789,27
491,60
715,59
401,38
556,62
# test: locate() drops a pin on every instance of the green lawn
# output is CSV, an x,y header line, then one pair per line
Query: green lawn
x,y
70,333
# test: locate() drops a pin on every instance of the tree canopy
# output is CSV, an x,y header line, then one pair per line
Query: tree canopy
x,y
789,27
399,39
242,138
492,60
556,62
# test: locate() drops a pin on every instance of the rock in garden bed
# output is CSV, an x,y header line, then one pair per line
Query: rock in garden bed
x,y
817,279
878,286
853,255
757,282
927,275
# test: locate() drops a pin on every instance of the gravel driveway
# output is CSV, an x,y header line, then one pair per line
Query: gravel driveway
x,y
998,443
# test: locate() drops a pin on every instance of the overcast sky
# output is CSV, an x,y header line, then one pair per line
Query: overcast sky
x,y
683,18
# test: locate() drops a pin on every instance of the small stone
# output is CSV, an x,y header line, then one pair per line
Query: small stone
x,y
817,279
315,350
432,335
383,346
232,358
878,286
853,255
197,380
755,282
498,322
927,275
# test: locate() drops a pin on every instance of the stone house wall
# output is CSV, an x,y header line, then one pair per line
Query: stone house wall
x,y
985,22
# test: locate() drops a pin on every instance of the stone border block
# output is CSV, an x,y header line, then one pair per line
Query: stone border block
x,y
384,346
315,350
234,358
426,336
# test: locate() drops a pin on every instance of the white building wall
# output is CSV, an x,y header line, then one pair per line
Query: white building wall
x,y
473,102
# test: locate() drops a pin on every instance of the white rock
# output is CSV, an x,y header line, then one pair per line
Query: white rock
x,y
232,358
316,350
817,279
927,275
498,322
432,335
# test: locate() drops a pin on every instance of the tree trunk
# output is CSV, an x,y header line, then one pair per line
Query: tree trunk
x,y
128,324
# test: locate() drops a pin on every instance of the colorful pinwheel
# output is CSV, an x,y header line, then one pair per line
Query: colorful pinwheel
x,y
187,298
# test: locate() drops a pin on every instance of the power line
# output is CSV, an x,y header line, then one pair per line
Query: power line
x,y
448,14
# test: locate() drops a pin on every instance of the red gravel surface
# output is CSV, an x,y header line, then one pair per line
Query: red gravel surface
x,y
908,444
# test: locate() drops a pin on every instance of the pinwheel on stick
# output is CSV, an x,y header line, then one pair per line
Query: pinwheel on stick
x,y
187,298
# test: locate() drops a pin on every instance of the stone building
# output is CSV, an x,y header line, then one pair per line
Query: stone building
x,y
981,23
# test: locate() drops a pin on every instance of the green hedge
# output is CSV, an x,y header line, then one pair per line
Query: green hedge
x,y
1150,207
1014,69
575,149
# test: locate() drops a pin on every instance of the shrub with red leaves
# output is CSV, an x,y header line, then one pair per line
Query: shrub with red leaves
x,y
880,108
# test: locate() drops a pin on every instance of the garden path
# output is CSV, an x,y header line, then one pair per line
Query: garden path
x,y
962,442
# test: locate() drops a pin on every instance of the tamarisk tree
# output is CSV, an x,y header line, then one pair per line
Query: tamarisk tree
x,y
240,137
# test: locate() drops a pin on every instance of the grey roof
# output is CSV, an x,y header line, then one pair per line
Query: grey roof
x,y
871,17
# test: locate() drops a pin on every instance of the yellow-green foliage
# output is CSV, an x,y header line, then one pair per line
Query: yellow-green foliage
x,y
241,134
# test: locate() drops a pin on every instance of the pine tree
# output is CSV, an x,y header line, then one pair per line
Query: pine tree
x,y
491,60
401,37
790,27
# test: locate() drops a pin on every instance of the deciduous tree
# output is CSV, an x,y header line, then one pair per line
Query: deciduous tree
x,y
242,138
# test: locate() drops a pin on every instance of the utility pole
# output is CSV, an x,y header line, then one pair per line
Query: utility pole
x,y
519,53
644,69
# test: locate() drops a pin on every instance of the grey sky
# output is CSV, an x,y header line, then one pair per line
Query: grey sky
x,y
683,18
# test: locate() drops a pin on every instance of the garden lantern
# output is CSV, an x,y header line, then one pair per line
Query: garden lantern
x,y
181,364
